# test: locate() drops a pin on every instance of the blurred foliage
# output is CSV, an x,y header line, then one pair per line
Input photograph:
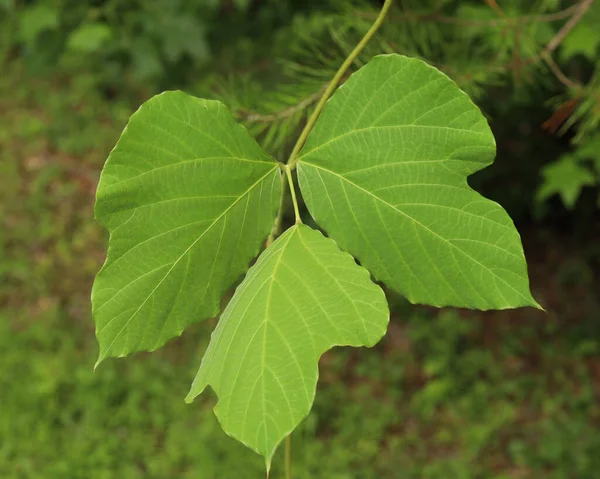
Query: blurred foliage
x,y
446,395
434,400
269,60
144,39
160,42
507,55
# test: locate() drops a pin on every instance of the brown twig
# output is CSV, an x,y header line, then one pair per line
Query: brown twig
x,y
546,53
493,4
560,76
582,7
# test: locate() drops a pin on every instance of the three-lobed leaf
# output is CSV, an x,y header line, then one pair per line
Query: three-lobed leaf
x,y
302,297
188,197
384,172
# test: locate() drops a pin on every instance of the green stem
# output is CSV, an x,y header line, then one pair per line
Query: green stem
x,y
293,159
288,457
334,83
278,221
288,172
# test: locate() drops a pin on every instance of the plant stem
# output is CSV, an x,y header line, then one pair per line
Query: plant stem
x,y
582,7
288,172
288,457
292,160
277,225
334,83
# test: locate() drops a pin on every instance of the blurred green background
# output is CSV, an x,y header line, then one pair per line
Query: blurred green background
x,y
448,393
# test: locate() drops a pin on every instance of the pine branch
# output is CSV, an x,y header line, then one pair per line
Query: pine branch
x,y
558,73
553,44
517,63
254,117
582,7
437,17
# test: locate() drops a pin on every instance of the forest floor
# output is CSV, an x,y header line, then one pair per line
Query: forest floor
x,y
447,394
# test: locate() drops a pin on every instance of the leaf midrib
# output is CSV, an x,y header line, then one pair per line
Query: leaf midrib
x,y
108,349
383,127
415,222
183,162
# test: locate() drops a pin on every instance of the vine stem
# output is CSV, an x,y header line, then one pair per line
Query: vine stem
x,y
334,83
288,172
293,159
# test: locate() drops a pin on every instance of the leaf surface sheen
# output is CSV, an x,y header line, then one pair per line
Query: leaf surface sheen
x,y
188,197
302,297
384,172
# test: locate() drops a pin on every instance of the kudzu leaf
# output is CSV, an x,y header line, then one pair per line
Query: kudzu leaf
x,y
302,297
188,197
384,172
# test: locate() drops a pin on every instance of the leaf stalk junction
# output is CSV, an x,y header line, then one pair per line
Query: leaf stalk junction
x,y
290,165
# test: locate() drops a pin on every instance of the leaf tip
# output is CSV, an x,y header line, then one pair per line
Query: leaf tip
x,y
532,302
98,361
537,305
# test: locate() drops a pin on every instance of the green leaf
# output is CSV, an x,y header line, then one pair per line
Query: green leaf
x,y
384,172
186,35
584,39
35,19
565,177
590,150
89,37
188,197
301,298
147,62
